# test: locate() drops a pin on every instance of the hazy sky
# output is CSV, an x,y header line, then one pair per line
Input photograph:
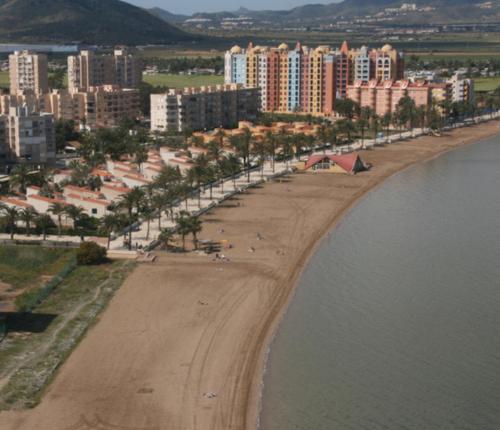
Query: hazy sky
x,y
191,6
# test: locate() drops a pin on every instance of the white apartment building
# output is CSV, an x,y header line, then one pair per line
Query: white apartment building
x,y
27,136
462,90
204,108
28,73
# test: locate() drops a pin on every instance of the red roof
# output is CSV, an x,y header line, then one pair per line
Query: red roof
x,y
15,202
346,161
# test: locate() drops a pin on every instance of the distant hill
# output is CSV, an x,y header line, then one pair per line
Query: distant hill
x,y
438,11
428,11
167,16
103,22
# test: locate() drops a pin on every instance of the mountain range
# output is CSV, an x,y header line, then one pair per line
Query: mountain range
x,y
427,11
103,22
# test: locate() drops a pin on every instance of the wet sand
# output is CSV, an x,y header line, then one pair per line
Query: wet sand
x,y
182,345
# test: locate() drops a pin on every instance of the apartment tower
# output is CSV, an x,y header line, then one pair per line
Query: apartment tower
x,y
28,73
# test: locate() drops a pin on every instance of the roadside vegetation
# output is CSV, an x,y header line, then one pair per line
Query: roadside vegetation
x,y
37,343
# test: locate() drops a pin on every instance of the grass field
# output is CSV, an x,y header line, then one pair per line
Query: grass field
x,y
486,84
461,56
4,79
181,81
28,266
38,343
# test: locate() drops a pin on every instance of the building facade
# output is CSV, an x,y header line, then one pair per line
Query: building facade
x,y
303,79
97,107
204,108
88,70
462,90
383,97
28,73
27,136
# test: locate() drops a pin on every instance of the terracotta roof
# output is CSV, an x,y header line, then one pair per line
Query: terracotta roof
x,y
15,202
117,188
137,178
87,199
346,161
81,189
46,199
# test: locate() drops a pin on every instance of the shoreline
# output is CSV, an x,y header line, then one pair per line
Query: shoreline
x,y
255,407
186,326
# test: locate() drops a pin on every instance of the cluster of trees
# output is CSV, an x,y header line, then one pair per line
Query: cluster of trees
x,y
183,64
42,223
413,62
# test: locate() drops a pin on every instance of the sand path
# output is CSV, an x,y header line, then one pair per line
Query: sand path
x,y
181,346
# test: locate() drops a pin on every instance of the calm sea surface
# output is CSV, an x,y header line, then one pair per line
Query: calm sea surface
x,y
396,322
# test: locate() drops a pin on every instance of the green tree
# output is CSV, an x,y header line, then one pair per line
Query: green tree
x,y
195,227
43,222
28,216
165,237
109,224
184,227
21,177
58,210
75,213
10,217
132,202
347,108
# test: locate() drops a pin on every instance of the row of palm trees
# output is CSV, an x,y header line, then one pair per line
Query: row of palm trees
x,y
11,215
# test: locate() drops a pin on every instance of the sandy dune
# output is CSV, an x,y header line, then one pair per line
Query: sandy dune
x,y
181,346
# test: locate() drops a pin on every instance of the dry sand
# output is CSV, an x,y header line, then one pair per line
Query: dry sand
x,y
182,344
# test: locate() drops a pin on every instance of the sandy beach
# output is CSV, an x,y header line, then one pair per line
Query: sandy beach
x,y
182,345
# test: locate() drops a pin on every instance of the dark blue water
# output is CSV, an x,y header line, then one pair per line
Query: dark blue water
x,y
396,321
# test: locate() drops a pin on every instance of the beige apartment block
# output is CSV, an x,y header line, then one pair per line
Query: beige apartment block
x,y
27,136
28,73
98,107
204,108
90,70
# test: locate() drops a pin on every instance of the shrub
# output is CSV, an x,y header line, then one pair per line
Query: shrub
x,y
28,300
90,253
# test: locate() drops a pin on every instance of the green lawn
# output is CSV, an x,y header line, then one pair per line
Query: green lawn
x,y
4,79
486,84
26,266
181,81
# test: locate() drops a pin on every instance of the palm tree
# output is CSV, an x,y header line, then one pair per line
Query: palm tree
x,y
75,213
147,215
159,203
270,142
198,173
242,144
184,227
231,165
362,126
132,201
259,149
21,177
10,216
58,210
140,155
195,227
44,221
165,237
109,224
167,177
386,123
28,215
